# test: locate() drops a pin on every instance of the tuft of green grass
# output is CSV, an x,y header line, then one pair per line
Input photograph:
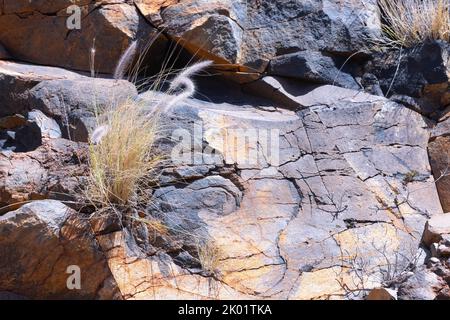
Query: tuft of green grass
x,y
410,22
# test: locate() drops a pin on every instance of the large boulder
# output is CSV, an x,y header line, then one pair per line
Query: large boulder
x,y
42,35
340,191
16,79
72,99
75,103
41,245
54,170
251,33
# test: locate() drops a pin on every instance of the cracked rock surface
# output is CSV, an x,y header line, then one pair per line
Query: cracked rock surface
x,y
342,195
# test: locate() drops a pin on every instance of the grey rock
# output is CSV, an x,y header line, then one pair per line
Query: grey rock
x,y
49,127
435,227
312,66
16,79
252,33
74,103
424,285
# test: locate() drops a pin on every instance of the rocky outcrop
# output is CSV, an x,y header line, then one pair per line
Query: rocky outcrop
x,y
252,33
289,183
302,223
39,243
49,33
54,170
420,73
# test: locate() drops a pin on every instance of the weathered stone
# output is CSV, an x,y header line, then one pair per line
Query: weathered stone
x,y
252,33
423,285
55,169
312,66
439,153
45,38
156,277
338,185
16,79
49,127
74,103
421,73
435,227
39,243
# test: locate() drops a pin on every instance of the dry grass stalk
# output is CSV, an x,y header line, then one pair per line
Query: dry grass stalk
x,y
123,157
209,255
409,22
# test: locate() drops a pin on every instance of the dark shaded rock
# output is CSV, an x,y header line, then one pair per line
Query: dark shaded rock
x,y
74,103
312,66
4,295
439,153
55,169
27,138
371,84
421,73
186,260
252,33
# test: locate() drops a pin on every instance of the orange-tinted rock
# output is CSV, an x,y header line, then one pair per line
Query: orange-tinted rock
x,y
41,34
42,243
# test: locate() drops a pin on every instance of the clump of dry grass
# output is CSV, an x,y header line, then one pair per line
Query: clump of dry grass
x,y
124,160
123,156
209,256
409,22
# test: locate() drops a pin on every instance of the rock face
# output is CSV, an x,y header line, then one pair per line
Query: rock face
x,y
54,169
421,73
48,33
330,191
252,33
39,242
291,182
